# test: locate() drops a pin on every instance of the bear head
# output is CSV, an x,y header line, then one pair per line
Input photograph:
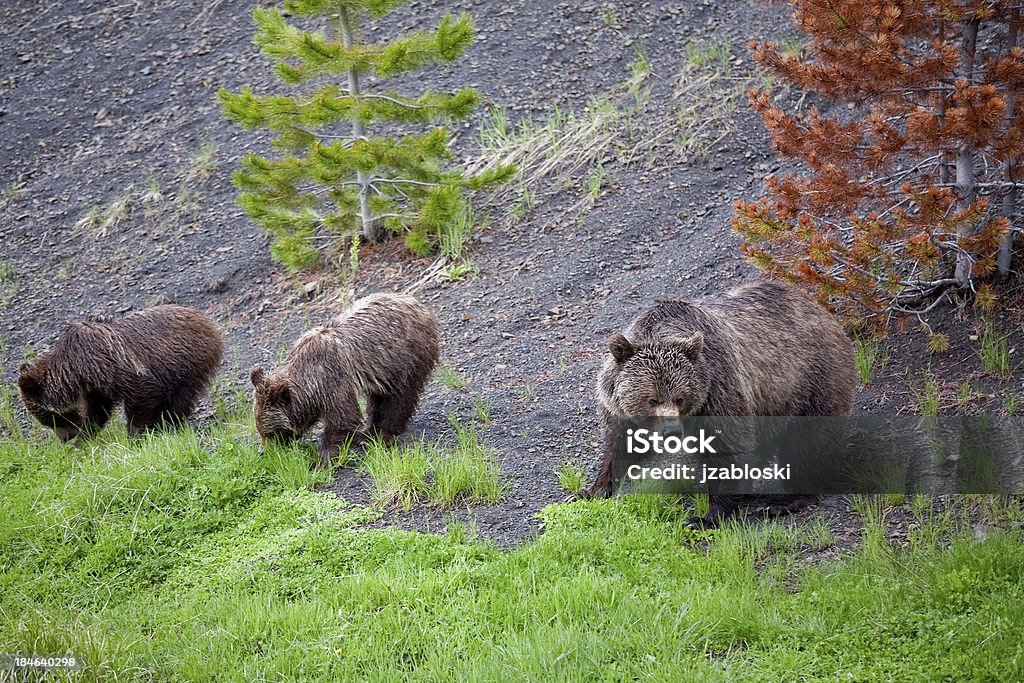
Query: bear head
x,y
665,378
272,407
66,421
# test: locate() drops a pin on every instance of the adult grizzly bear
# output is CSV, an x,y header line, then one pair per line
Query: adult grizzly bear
x,y
157,362
762,349
382,349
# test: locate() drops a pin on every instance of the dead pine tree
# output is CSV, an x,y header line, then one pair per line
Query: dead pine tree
x,y
909,191
332,176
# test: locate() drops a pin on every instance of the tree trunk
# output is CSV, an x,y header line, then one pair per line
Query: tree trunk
x,y
372,229
1009,208
965,173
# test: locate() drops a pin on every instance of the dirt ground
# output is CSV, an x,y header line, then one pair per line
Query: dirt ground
x,y
100,102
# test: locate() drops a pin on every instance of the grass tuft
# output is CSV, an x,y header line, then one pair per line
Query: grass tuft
x,y
407,475
995,353
449,377
570,477
398,473
927,395
865,355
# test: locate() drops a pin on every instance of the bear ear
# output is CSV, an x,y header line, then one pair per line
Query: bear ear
x,y
256,376
27,381
281,393
691,347
621,348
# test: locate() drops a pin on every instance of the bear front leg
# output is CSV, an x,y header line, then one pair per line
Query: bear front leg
x,y
141,417
388,415
341,428
720,508
605,484
97,412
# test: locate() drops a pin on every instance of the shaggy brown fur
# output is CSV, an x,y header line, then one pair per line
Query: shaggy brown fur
x,y
383,349
762,349
157,362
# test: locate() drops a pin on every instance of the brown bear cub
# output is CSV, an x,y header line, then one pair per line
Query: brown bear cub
x,y
157,362
762,349
382,349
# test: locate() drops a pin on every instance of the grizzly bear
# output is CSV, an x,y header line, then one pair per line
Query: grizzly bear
x,y
762,349
382,349
157,362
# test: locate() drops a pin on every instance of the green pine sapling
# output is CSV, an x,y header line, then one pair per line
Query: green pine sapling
x,y
332,176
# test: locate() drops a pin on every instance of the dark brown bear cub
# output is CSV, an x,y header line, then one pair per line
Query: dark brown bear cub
x,y
157,362
382,349
763,349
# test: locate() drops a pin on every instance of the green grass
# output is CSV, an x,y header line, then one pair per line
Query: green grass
x,y
439,473
481,409
398,474
8,283
467,472
995,353
449,377
927,395
570,477
454,234
865,354
186,556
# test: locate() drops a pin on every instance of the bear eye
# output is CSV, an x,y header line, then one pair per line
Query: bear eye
x,y
654,402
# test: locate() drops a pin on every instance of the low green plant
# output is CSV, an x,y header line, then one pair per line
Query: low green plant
x,y
8,283
454,234
708,53
467,473
597,182
927,395
153,194
100,220
995,353
406,475
865,353
398,473
204,162
1010,402
459,271
526,202
570,477
481,409
9,425
610,15
13,191
449,377
964,393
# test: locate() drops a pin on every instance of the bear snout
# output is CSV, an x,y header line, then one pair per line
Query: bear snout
x,y
667,410
671,429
